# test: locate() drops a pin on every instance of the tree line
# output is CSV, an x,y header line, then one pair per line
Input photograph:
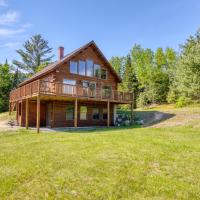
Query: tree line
x,y
157,76
163,75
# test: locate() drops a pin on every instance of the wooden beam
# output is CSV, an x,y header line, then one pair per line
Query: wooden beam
x,y
108,113
52,114
27,113
75,112
21,113
17,112
38,114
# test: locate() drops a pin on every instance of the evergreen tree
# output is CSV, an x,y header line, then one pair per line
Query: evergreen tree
x,y
5,86
36,52
186,81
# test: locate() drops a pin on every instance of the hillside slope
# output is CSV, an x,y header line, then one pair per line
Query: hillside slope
x,y
169,116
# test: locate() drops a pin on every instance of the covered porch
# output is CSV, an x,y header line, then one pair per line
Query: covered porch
x,y
52,112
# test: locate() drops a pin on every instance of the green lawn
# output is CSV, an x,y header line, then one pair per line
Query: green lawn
x,y
132,163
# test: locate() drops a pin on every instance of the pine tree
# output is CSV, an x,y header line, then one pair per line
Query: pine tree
x,y
35,53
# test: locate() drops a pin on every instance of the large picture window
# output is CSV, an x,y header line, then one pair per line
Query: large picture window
x,y
73,67
83,112
90,66
70,112
103,73
97,71
95,113
81,67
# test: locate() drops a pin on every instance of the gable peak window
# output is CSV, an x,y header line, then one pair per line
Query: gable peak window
x,y
81,67
90,68
97,70
73,67
103,74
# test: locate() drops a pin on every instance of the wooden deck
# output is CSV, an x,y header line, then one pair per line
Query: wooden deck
x,y
56,90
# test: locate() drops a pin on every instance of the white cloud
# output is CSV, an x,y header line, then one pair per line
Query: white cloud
x,y
3,3
11,32
9,17
10,45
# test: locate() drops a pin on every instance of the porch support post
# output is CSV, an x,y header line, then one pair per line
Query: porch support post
x,y
27,113
75,112
132,113
38,114
17,111
108,111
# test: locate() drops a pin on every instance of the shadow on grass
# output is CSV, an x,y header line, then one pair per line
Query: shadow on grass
x,y
151,118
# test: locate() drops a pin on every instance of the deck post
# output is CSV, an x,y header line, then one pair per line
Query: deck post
x,y
17,111
75,112
132,113
38,114
27,113
108,113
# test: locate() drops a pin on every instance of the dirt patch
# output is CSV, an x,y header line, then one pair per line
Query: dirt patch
x,y
7,125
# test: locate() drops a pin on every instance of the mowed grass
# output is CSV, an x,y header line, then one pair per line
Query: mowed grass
x,y
132,163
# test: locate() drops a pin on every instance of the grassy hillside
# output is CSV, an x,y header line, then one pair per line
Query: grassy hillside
x,y
116,163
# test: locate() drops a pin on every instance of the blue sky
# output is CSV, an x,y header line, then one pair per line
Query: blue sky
x,y
115,25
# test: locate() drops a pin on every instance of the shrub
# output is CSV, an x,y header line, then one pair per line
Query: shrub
x,y
142,100
182,101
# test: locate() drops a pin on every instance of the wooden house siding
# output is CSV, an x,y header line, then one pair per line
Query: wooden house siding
x,y
64,70
42,100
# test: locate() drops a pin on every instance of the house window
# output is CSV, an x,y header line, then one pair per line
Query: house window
x,y
97,71
106,91
86,84
73,67
83,112
103,73
90,65
95,113
69,86
81,67
105,113
69,81
70,112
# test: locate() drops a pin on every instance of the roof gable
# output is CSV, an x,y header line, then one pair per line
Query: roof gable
x,y
51,67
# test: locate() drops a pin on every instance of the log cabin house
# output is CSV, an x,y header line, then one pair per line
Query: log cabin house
x,y
79,89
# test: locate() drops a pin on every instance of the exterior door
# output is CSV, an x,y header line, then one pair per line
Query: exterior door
x,y
92,89
48,114
89,89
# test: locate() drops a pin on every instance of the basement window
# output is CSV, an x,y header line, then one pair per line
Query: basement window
x,y
105,113
95,113
83,113
70,112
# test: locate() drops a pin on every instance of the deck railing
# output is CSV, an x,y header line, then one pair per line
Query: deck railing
x,y
61,89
